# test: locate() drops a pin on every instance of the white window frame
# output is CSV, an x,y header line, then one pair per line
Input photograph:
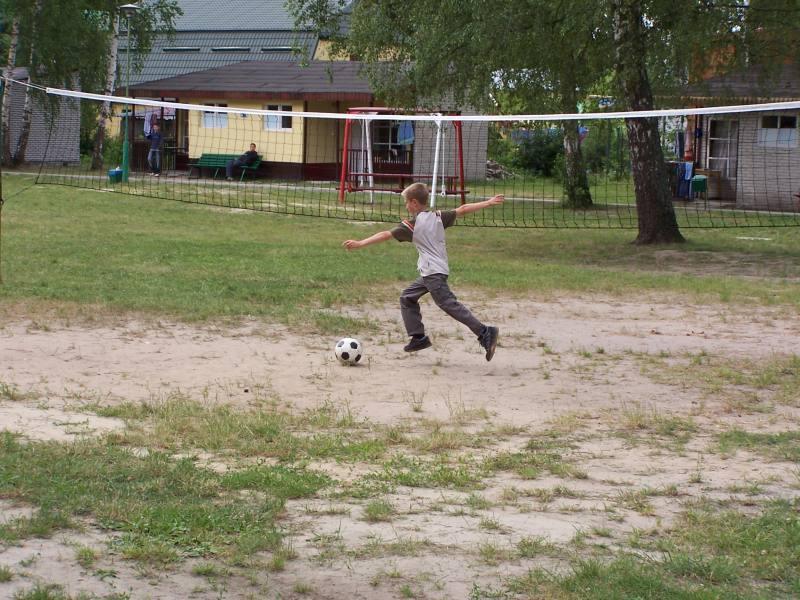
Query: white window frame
x,y
722,150
777,131
278,122
215,120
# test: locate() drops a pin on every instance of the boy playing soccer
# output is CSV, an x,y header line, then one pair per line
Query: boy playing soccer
x,y
426,230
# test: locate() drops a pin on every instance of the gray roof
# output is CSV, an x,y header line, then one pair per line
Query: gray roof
x,y
186,52
319,80
233,15
753,84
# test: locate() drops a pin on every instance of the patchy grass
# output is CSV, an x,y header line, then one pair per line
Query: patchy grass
x,y
438,472
707,555
180,424
741,383
6,574
541,454
777,446
640,423
164,509
378,510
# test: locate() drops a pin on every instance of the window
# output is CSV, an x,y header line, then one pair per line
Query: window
x,y
391,141
215,120
278,122
778,131
231,49
182,49
723,139
277,49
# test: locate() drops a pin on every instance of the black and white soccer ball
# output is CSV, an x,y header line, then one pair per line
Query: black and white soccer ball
x,y
348,351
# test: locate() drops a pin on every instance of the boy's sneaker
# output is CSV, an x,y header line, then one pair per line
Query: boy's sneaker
x,y
418,343
488,339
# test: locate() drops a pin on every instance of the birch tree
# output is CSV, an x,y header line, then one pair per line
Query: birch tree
x,y
643,47
11,63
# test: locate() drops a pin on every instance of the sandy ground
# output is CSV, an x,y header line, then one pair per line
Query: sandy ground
x,y
543,370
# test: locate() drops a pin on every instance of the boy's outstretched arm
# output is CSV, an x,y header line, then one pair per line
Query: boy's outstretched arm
x,y
472,207
381,236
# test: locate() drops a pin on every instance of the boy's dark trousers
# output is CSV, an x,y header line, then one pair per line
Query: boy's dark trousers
x,y
437,286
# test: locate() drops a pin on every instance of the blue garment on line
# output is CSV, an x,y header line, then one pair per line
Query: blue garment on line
x,y
405,133
682,181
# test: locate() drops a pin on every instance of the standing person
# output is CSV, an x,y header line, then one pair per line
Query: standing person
x,y
245,160
154,155
425,229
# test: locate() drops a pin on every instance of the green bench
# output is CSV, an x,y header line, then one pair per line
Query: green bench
x,y
218,162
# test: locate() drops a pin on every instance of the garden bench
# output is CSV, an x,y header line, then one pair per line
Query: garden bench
x,y
219,162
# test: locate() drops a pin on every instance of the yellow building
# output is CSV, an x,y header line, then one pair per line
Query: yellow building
x,y
290,144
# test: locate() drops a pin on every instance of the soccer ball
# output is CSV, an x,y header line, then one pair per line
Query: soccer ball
x,y
348,351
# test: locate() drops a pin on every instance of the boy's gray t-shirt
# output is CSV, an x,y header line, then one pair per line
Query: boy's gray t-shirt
x,y
426,231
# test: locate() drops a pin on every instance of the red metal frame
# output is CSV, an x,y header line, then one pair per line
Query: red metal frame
x,y
348,181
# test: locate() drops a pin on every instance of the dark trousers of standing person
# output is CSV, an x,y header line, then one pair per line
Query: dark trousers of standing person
x,y
231,165
154,160
444,298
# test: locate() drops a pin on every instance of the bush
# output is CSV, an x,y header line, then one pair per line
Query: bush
x,y
533,150
605,149
539,150
112,152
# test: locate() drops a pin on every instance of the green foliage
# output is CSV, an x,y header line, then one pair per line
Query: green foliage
x,y
539,151
605,149
534,150
88,129
112,151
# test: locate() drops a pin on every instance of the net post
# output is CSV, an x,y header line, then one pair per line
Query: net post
x,y
436,161
345,159
370,165
460,150
2,200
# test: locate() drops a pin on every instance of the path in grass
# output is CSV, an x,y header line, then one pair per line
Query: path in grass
x,y
603,430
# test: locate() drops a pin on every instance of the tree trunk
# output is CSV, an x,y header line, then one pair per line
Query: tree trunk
x,y
576,182
27,110
105,108
657,221
25,129
10,64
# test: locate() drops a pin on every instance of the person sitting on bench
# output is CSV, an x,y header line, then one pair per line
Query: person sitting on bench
x,y
245,160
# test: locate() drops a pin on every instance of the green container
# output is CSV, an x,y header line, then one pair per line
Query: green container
x,y
115,175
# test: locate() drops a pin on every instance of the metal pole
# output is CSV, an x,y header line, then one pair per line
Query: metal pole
x,y
436,162
2,201
344,178
125,151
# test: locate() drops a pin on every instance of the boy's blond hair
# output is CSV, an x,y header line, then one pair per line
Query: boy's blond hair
x,y
418,192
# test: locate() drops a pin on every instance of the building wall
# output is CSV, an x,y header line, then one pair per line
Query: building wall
x,y
475,137
55,141
765,177
241,130
323,136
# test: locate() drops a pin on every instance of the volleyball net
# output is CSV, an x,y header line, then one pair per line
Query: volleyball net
x,y
724,167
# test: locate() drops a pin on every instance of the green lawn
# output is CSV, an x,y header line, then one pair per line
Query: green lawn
x,y
124,253
88,253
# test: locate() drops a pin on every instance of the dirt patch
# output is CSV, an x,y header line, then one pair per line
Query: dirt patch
x,y
570,363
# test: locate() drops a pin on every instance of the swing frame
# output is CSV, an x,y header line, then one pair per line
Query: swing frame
x,y
352,181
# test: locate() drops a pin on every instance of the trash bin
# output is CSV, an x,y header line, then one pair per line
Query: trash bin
x,y
699,186
115,175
